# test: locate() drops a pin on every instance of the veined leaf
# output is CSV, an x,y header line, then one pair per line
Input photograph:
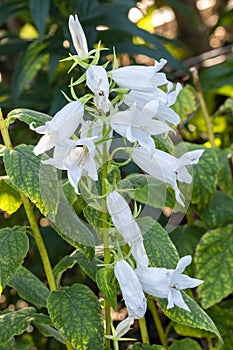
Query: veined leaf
x,y
15,323
29,116
14,247
197,318
159,247
29,287
76,313
214,263
186,103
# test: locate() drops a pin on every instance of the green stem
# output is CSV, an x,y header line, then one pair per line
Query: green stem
x,y
39,242
205,112
210,345
158,324
143,329
33,223
107,255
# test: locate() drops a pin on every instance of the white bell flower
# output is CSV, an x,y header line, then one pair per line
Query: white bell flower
x,y
166,167
61,127
97,81
78,37
77,157
141,78
124,222
167,283
131,289
138,125
158,101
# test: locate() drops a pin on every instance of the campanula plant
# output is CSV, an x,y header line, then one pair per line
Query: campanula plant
x,y
126,118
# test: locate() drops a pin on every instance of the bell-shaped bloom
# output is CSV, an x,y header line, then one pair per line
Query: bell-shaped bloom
x,y
139,125
141,78
77,157
158,101
61,127
78,37
165,167
97,81
124,222
167,283
131,289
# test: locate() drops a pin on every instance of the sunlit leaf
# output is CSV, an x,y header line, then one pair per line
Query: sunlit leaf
x,y
10,199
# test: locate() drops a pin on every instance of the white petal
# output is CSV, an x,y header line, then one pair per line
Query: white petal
x,y
131,289
139,254
166,113
183,263
175,298
140,78
78,37
189,158
184,282
46,143
172,96
154,281
122,217
123,327
97,81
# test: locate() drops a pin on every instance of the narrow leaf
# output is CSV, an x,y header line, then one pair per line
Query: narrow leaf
x,y
75,312
14,247
29,287
39,11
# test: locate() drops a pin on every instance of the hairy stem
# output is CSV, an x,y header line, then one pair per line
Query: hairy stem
x,y
205,112
143,329
158,324
107,255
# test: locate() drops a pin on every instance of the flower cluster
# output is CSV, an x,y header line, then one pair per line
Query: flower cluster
x,y
140,111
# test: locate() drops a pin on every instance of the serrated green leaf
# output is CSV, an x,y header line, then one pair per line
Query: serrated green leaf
x,y
224,171
140,346
14,247
29,287
76,313
22,167
10,345
204,176
186,238
104,281
147,190
159,247
10,199
49,331
90,267
184,344
15,323
219,211
186,103
214,263
39,10
29,116
197,318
